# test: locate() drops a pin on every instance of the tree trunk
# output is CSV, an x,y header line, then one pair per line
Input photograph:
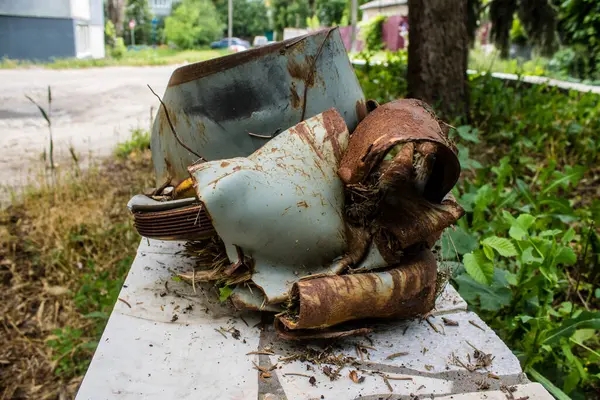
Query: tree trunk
x,y
115,10
437,54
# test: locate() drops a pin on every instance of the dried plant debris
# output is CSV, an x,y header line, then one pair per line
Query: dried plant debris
x,y
449,322
395,355
326,356
355,377
480,360
212,264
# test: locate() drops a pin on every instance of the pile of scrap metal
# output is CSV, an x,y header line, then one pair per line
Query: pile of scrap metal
x,y
323,221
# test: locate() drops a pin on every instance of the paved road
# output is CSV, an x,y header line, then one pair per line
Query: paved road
x,y
92,109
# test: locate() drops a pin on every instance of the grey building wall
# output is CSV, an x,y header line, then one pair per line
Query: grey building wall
x,y
26,38
36,8
96,12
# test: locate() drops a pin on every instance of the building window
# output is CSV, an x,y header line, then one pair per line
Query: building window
x,y
82,39
160,3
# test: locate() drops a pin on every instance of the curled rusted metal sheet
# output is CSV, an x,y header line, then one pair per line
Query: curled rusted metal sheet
x,y
282,206
171,220
405,291
402,121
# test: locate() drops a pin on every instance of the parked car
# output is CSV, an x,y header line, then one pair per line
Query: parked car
x,y
226,42
259,41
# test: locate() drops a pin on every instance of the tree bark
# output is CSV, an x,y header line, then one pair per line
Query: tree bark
x,y
115,10
437,54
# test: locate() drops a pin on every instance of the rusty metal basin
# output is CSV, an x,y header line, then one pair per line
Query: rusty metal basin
x,y
230,106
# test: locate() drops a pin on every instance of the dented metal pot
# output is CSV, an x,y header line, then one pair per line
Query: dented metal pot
x,y
230,106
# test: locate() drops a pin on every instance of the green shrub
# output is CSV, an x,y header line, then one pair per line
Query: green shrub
x,y
193,23
119,49
371,33
139,141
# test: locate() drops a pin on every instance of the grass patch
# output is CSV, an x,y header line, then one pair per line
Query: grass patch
x,y
136,58
65,249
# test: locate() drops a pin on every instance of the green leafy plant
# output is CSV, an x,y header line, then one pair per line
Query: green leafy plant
x,y
371,33
139,141
193,23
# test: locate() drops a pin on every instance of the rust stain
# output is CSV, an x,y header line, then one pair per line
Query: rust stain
x,y
237,168
302,203
302,131
301,69
334,127
224,164
296,103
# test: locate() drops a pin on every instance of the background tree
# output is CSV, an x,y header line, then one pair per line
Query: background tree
x,y
139,11
330,12
290,14
115,12
193,23
249,17
437,54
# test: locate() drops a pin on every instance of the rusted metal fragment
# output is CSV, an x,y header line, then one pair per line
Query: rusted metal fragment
x,y
311,334
405,291
415,220
172,220
243,298
400,121
282,205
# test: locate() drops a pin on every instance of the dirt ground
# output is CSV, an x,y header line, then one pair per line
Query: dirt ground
x,y
92,110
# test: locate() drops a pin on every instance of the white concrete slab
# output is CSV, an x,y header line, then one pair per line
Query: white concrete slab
x,y
164,340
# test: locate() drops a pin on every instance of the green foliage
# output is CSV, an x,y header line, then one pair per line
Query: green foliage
x,y
139,11
110,34
290,14
139,141
193,23
517,33
224,293
530,249
249,17
313,23
330,12
71,352
580,27
371,33
119,49
380,81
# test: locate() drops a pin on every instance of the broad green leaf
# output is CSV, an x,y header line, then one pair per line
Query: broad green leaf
x,y
568,236
503,246
491,298
597,293
479,267
552,232
224,293
489,252
581,335
519,226
566,307
529,258
571,381
468,133
457,241
565,256
586,320
556,392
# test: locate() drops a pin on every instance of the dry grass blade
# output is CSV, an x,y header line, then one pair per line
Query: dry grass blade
x,y
394,355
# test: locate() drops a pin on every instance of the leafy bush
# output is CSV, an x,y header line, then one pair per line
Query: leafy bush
x,y
139,11
528,245
193,23
119,49
249,17
139,141
371,33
